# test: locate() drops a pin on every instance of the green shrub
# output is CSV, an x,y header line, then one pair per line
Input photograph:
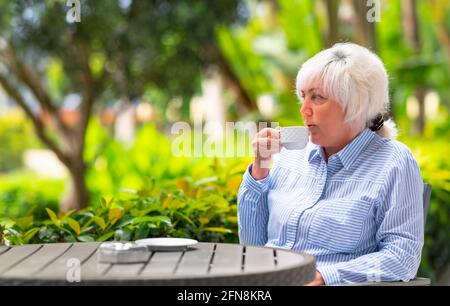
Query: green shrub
x,y
204,209
431,155
113,166
170,187
16,135
24,194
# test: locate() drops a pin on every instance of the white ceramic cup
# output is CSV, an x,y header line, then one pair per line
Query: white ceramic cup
x,y
294,137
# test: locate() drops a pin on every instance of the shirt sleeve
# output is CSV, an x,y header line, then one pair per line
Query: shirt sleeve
x,y
253,211
399,218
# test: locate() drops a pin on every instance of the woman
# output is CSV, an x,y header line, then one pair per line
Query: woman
x,y
353,196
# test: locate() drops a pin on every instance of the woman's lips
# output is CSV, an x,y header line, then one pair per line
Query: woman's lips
x,y
311,128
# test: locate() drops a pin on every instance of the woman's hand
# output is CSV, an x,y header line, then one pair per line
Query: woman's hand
x,y
265,144
318,281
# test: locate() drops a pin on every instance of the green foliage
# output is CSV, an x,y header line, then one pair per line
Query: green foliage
x,y
16,135
435,167
310,41
24,194
204,209
125,47
177,196
238,48
149,157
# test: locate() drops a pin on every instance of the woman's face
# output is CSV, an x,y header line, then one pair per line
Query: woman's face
x,y
325,119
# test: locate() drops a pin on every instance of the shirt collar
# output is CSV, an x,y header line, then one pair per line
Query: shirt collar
x,y
315,152
350,152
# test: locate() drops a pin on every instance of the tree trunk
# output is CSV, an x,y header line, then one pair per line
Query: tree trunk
x,y
438,10
411,25
333,24
69,143
273,8
420,95
365,31
234,82
77,195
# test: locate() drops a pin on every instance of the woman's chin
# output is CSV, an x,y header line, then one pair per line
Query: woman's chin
x,y
314,139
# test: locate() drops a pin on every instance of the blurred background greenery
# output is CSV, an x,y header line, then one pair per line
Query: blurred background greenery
x,y
86,109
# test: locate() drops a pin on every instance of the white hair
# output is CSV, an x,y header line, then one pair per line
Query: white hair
x,y
354,77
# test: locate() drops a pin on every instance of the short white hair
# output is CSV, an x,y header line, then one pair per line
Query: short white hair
x,y
356,78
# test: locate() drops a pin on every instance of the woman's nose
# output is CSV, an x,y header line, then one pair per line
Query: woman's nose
x,y
306,110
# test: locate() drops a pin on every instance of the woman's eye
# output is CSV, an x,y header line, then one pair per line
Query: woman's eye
x,y
318,98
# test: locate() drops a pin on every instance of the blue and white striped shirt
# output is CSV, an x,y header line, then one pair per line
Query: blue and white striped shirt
x,y
360,214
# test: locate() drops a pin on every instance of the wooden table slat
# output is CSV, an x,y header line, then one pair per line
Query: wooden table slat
x,y
3,249
125,270
92,268
286,259
227,259
258,259
196,263
59,267
16,255
34,263
161,263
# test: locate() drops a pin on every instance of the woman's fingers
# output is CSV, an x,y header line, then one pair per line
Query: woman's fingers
x,y
269,132
265,144
265,147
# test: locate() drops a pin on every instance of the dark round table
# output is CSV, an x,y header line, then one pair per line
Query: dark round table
x,y
215,264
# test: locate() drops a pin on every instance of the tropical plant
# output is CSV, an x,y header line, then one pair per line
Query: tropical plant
x,y
23,193
15,137
435,167
204,209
